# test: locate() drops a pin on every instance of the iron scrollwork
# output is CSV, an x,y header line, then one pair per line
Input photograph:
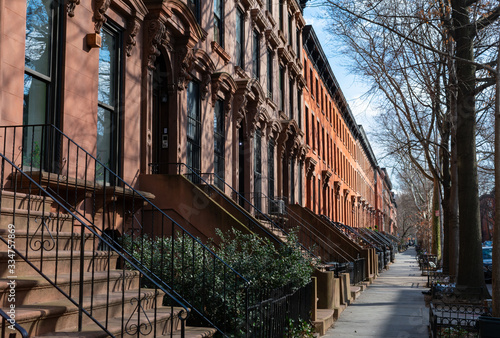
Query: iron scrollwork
x,y
42,230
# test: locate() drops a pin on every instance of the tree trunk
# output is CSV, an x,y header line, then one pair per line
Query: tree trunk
x,y
496,230
470,272
436,224
453,209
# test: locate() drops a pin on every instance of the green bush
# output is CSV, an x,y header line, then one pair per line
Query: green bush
x,y
208,283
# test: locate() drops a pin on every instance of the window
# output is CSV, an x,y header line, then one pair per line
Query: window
x,y
280,13
42,54
299,108
219,143
219,22
300,184
257,168
308,139
311,84
290,90
256,55
313,133
297,42
282,89
317,91
194,5
269,74
240,39
270,169
193,128
108,98
290,29
270,6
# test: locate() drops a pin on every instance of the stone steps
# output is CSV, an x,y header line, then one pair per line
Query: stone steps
x,y
31,289
51,242
64,262
30,220
18,200
27,241
60,315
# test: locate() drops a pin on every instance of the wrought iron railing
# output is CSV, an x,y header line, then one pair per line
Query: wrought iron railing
x,y
272,310
65,260
455,320
9,324
238,201
111,211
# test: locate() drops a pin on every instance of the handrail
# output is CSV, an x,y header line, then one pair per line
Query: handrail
x,y
312,230
83,226
258,211
347,228
110,195
17,327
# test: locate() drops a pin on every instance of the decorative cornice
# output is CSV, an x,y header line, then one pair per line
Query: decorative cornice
x,y
221,52
272,38
224,83
301,22
259,19
100,8
326,175
336,187
310,165
70,7
284,55
247,4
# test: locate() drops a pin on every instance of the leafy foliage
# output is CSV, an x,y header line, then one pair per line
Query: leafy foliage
x,y
219,285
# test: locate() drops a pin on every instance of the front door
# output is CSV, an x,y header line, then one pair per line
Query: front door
x,y
160,125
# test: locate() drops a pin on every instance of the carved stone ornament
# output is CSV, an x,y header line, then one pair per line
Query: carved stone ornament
x,y
184,57
336,186
156,32
310,166
240,103
101,6
70,7
228,103
205,84
132,30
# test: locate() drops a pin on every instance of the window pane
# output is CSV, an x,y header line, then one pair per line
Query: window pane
x,y
108,61
38,35
105,133
35,100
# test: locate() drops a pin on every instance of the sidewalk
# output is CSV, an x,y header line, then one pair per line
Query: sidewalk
x,y
393,306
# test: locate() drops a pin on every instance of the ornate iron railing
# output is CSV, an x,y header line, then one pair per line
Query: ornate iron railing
x,y
238,201
455,320
112,212
50,249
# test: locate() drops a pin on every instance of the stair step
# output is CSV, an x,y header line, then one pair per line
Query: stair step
x,y
162,324
27,219
19,200
30,290
61,315
66,262
63,240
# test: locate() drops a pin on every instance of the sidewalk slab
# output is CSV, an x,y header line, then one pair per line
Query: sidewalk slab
x,y
393,306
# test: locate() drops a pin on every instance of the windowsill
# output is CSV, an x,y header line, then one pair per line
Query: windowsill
x,y
221,52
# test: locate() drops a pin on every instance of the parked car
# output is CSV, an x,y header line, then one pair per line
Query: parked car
x,y
487,262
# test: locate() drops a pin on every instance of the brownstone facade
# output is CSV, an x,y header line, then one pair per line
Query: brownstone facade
x,y
342,178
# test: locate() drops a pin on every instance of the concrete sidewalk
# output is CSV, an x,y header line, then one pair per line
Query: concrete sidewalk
x,y
393,306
